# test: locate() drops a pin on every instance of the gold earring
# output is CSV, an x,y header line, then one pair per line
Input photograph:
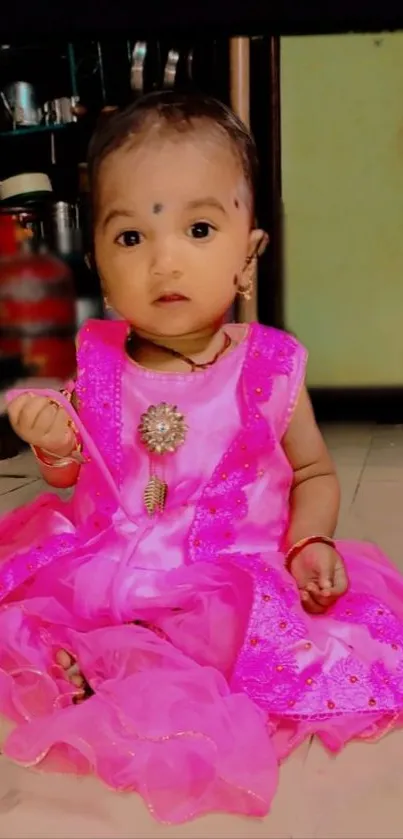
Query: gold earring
x,y
245,291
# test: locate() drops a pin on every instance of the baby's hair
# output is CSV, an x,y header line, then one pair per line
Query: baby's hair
x,y
168,111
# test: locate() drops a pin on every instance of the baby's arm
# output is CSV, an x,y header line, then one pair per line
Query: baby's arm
x,y
46,426
315,493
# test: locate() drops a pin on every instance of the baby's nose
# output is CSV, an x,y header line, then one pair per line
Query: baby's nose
x,y
164,261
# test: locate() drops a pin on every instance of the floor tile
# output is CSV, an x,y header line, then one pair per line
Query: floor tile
x,y
387,433
24,465
349,480
10,485
353,526
33,804
349,434
379,505
348,444
19,492
356,795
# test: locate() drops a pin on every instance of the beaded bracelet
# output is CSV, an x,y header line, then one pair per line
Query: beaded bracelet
x,y
303,543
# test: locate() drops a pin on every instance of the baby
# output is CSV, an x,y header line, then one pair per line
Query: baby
x,y
191,590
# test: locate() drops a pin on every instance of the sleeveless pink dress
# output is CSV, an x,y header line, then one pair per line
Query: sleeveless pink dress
x,y
206,671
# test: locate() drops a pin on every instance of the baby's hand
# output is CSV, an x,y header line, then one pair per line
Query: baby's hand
x,y
321,577
42,423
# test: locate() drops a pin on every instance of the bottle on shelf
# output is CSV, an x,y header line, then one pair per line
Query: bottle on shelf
x,y
37,303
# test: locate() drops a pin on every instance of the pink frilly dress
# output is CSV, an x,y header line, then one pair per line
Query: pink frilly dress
x,y
205,669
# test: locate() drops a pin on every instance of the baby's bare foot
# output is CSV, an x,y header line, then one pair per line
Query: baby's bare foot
x,y
74,676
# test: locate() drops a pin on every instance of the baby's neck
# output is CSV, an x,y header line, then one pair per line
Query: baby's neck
x,y
200,346
190,344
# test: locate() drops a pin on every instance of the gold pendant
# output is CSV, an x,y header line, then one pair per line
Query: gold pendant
x,y
155,495
162,430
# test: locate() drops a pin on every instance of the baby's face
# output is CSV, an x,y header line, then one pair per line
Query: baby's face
x,y
172,232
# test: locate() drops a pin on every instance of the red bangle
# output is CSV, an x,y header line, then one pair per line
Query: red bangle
x,y
303,543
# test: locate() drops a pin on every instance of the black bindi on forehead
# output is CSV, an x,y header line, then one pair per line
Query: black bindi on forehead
x,y
236,203
157,208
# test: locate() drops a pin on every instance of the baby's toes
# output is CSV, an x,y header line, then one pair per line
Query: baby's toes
x,y
73,675
77,679
64,659
70,667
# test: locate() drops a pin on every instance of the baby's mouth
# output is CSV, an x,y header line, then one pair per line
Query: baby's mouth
x,y
172,297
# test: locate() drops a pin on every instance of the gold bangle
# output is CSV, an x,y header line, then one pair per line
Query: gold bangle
x,y
60,461
57,461
303,543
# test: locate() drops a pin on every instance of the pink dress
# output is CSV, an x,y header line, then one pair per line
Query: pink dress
x,y
206,671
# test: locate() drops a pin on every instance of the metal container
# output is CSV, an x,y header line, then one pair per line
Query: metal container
x,y
65,234
20,101
61,111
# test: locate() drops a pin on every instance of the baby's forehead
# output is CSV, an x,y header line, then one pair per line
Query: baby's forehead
x,y
196,148
175,167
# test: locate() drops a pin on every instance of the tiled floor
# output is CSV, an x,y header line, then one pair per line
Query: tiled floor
x,y
356,795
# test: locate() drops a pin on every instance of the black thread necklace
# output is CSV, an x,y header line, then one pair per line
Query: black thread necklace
x,y
133,342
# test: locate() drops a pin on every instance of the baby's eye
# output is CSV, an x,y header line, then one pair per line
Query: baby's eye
x,y
201,230
129,238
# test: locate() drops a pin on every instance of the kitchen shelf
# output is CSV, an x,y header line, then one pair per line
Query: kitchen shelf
x,y
35,129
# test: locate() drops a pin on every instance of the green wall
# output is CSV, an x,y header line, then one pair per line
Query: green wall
x,y
342,140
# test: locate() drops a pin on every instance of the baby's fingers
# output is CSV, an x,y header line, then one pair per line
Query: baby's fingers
x,y
16,408
325,598
313,588
310,604
44,420
31,415
59,436
340,580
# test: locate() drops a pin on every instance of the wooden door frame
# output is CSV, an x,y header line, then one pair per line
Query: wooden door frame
x,y
265,119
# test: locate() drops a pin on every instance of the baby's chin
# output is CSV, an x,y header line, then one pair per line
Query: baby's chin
x,y
173,321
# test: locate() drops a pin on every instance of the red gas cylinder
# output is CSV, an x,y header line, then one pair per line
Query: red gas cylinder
x,y
37,305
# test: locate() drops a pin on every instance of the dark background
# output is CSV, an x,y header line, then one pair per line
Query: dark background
x,y
254,17
45,64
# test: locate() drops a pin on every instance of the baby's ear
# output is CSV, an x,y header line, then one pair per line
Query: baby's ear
x,y
258,241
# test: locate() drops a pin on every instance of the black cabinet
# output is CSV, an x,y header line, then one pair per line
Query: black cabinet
x,y
254,17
